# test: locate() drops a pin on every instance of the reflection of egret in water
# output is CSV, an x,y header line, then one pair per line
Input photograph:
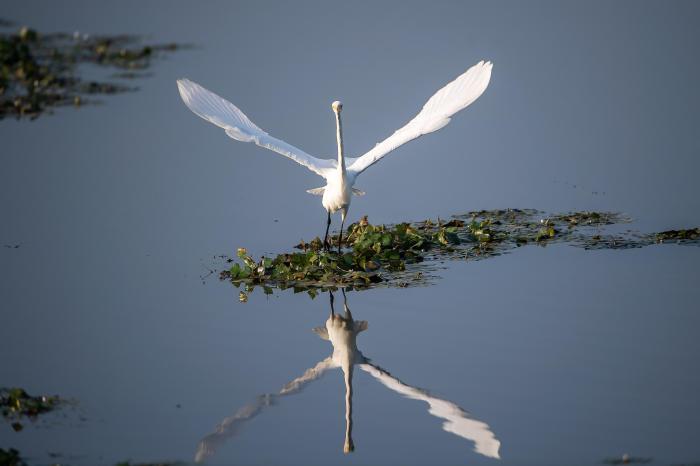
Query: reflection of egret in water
x,y
342,332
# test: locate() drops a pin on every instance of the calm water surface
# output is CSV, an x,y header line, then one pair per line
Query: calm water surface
x,y
542,356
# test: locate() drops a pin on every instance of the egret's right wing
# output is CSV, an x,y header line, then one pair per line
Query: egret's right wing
x,y
230,426
434,115
225,115
456,419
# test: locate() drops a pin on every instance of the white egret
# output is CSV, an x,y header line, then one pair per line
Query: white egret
x,y
340,175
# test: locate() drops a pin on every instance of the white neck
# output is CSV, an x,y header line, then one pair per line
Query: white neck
x,y
349,445
339,137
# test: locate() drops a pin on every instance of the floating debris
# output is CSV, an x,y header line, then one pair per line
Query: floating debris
x,y
406,254
16,404
38,71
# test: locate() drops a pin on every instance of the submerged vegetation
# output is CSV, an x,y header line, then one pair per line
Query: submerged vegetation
x,y
406,254
38,71
10,457
16,404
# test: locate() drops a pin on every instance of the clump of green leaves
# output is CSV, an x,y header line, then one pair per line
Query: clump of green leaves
x,y
15,404
370,252
38,71
292,269
401,255
374,247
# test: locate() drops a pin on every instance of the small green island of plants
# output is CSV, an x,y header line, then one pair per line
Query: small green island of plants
x,y
407,254
16,405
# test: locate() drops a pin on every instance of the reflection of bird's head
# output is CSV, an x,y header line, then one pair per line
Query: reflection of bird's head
x,y
349,446
337,106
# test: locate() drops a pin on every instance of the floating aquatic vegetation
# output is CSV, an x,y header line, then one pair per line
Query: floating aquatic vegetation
x,y
10,457
373,249
16,404
692,234
406,254
38,71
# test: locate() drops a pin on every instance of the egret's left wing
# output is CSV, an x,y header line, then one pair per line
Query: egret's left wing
x,y
435,114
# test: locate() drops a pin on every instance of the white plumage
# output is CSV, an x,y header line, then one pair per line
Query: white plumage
x,y
340,175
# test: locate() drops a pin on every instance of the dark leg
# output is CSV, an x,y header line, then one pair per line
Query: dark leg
x,y
340,235
345,305
330,293
325,238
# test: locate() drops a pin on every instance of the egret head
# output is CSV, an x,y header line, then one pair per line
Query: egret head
x,y
337,106
349,446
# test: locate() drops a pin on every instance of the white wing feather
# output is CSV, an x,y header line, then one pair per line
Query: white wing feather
x,y
231,425
435,114
225,115
457,421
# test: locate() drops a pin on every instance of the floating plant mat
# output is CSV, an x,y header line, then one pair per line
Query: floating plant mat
x,y
40,71
17,405
409,254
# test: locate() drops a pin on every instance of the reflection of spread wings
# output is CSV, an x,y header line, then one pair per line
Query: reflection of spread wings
x,y
229,427
309,376
456,419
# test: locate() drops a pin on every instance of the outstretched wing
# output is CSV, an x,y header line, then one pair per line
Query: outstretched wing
x,y
456,420
435,114
225,115
231,425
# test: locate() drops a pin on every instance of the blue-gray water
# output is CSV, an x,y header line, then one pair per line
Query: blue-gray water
x,y
569,356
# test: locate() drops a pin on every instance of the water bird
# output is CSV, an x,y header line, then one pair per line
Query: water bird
x,y
342,331
340,175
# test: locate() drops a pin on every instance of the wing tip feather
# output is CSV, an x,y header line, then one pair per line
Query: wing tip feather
x,y
184,86
183,82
